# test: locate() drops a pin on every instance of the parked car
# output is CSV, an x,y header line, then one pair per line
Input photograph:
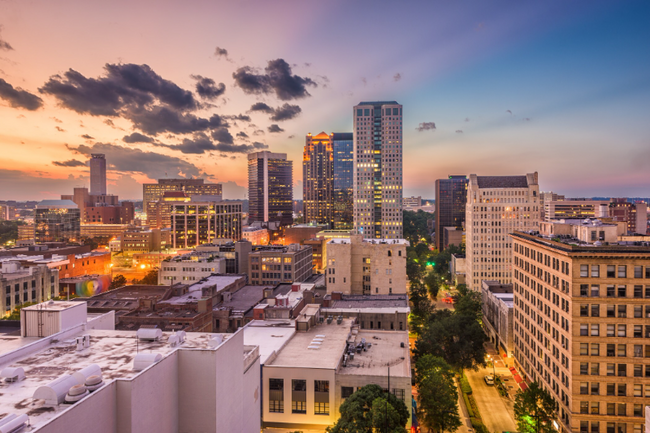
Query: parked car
x,y
489,380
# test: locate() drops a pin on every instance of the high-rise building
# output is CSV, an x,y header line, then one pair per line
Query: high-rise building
x,y
378,169
581,324
496,207
153,192
270,188
574,208
57,221
200,222
342,148
98,174
318,179
451,200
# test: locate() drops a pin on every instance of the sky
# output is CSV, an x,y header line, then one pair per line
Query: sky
x,y
187,89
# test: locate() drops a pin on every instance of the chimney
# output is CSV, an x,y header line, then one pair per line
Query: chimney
x,y
336,296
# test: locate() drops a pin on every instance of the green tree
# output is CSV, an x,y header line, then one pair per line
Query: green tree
x,y
432,281
414,269
118,281
416,226
469,305
454,338
151,279
357,415
385,417
535,410
437,394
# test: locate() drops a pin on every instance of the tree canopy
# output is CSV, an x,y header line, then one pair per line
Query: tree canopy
x,y
415,226
118,281
535,410
151,279
437,394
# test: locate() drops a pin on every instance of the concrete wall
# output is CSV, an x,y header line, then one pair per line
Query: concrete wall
x,y
230,370
197,375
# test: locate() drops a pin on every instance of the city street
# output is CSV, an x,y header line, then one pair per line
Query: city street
x,y
496,411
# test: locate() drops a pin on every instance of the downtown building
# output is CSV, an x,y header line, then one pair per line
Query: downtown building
x,y
201,222
496,207
152,193
581,323
318,179
270,188
343,207
57,221
377,170
451,200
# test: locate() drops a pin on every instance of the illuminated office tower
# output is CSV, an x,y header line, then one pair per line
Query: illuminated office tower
x,y
98,174
342,149
318,179
270,188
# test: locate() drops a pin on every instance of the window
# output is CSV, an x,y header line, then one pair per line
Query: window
x,y
346,391
298,396
622,410
621,352
595,310
622,370
622,271
611,370
611,427
611,349
611,389
321,408
584,349
638,311
584,407
611,330
584,289
321,397
622,390
611,271
611,291
595,369
584,329
638,351
276,395
638,370
611,408
595,388
595,329
584,368
584,271
595,427
638,390
595,407
638,291
621,330
622,311
584,388
595,271
595,291
584,310
638,410
622,291
595,349
611,311
638,331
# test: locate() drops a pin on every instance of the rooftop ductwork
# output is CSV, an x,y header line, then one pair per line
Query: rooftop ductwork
x,y
82,375
13,374
13,423
144,360
54,393
149,334
94,382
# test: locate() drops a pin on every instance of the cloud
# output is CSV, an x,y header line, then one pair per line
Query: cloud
x,y
526,119
207,88
259,132
242,117
56,120
87,137
285,112
122,86
261,106
467,119
397,77
508,111
426,126
136,137
275,128
221,52
19,98
153,165
4,45
69,163
258,145
277,79
242,134
222,135
291,136
459,131
59,129
163,119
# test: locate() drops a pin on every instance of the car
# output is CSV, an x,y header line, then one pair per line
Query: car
x,y
489,380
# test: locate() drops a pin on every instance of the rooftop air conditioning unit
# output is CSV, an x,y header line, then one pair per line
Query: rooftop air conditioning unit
x,y
144,360
149,334
13,374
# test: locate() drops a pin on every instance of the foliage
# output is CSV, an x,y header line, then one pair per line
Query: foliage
x,y
443,258
9,231
151,279
453,337
118,281
464,384
433,284
479,426
414,269
535,410
15,313
357,414
385,417
469,305
437,395
415,226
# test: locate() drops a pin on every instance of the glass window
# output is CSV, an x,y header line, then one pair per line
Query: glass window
x,y
638,331
611,427
621,330
595,271
621,351
611,370
638,390
584,329
611,291
595,427
595,310
298,396
638,370
595,329
611,350
638,291
638,351
595,388
584,368
622,291
611,330
584,388
584,349
622,410
622,370
611,271
638,311
595,407
611,311
595,369
611,389
584,310
584,271
584,407
622,271
595,349
622,390
611,408
622,311
276,395
584,289
595,291
346,391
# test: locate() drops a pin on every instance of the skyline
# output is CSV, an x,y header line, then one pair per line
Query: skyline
x,y
556,88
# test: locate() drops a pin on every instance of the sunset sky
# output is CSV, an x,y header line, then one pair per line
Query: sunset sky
x,y
170,88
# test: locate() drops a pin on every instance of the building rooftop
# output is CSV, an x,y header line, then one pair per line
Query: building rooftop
x,y
243,299
329,353
371,241
367,303
269,335
52,306
195,291
378,103
57,204
571,244
502,181
385,351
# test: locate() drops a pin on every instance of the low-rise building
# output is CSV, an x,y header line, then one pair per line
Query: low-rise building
x,y
575,209
299,233
592,229
357,266
387,312
497,311
452,236
256,235
103,230
145,240
26,282
457,269
284,264
190,267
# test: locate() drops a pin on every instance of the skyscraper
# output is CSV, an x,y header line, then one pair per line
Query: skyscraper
x,y
97,174
152,193
317,177
343,208
496,207
378,169
57,221
451,199
270,188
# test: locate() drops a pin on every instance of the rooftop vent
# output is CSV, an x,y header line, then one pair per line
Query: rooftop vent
x,y
94,382
216,340
13,423
54,392
85,373
75,393
149,334
13,374
144,360
176,339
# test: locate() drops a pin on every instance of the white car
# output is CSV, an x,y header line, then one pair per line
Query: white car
x,y
489,380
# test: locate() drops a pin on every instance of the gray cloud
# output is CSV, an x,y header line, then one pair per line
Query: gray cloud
x,y
163,119
222,135
207,88
277,79
426,126
242,117
242,134
136,137
261,106
397,77
285,112
19,98
69,163
508,111
258,145
275,128
4,45
459,131
220,52
59,129
87,137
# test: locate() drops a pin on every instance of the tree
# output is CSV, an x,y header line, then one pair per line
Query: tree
x,y
433,284
118,281
358,416
416,226
535,410
385,417
469,305
151,279
413,266
454,338
437,395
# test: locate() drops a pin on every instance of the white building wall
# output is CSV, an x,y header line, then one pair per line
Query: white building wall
x,y
230,372
197,397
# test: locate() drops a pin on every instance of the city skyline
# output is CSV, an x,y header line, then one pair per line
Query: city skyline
x,y
502,89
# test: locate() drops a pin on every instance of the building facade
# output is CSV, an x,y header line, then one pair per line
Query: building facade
x,y
634,214
98,174
26,283
270,188
357,266
496,207
153,192
290,264
581,328
574,208
57,221
497,309
196,223
343,208
451,200
377,170
318,179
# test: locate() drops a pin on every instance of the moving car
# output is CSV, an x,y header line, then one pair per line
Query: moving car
x,y
489,380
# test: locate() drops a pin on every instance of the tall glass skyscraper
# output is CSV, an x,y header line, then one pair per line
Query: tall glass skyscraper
x,y
451,200
378,170
97,174
270,188
342,148
317,177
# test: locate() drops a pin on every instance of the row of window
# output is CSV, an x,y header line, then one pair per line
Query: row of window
x,y
593,310
610,427
613,389
619,409
614,291
593,369
614,330
620,350
613,271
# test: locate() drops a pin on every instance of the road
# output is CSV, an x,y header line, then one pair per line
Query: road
x,y
496,411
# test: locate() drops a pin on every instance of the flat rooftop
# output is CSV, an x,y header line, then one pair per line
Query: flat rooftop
x,y
371,241
572,245
113,351
269,335
385,351
52,306
366,303
330,352
244,298
194,292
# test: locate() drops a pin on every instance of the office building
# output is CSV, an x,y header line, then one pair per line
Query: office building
x,y
496,207
387,312
256,235
452,236
101,209
200,222
270,188
26,282
140,240
378,170
343,153
189,268
357,266
275,265
318,179
153,192
57,221
581,326
545,197
106,231
575,208
634,214
497,309
412,201
98,174
451,200
88,377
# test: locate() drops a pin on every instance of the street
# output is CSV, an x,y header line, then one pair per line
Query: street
x,y
496,411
